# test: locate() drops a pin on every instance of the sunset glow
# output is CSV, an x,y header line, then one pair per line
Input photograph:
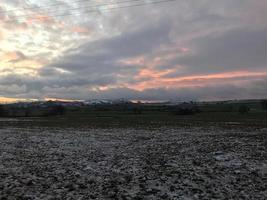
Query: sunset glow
x,y
71,52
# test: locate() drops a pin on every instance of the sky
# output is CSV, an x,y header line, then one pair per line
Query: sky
x,y
90,49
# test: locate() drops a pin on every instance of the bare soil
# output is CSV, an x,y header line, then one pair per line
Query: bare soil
x,y
128,163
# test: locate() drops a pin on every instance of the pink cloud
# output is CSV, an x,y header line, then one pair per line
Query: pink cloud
x,y
40,18
157,80
80,30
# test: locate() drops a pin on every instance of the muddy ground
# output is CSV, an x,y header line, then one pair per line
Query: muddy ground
x,y
163,163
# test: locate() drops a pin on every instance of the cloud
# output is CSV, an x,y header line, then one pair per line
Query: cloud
x,y
188,49
15,56
255,89
237,49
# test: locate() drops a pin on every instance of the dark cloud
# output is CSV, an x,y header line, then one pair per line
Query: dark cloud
x,y
103,54
186,37
97,63
254,89
235,50
38,89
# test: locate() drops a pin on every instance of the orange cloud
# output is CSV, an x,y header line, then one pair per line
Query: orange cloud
x,y
17,62
79,29
235,74
40,18
14,100
59,99
1,35
157,79
7,100
14,56
138,61
162,57
150,73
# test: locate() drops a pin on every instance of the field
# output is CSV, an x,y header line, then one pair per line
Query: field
x,y
119,155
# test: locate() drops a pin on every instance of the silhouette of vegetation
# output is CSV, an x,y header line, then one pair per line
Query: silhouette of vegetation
x,y
2,111
50,108
228,108
185,109
243,109
137,110
264,104
57,110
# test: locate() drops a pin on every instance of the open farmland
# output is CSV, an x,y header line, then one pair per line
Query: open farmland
x,y
43,160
